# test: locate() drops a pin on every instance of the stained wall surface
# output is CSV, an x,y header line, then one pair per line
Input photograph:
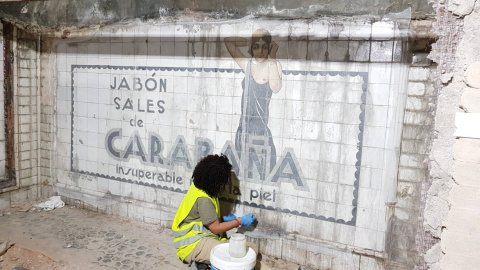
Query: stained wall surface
x,y
2,119
315,157
59,15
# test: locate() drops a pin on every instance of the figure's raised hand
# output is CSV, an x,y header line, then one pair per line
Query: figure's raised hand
x,y
273,49
229,217
248,219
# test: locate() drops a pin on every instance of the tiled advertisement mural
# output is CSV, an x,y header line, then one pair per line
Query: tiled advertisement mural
x,y
308,114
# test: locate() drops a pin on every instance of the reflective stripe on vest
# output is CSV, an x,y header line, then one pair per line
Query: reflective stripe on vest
x,y
188,235
190,240
195,227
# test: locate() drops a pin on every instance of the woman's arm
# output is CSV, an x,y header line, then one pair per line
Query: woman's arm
x,y
233,44
218,227
274,69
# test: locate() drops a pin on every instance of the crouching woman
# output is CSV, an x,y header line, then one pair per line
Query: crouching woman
x,y
197,226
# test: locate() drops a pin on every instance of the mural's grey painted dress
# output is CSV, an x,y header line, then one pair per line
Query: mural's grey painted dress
x,y
253,127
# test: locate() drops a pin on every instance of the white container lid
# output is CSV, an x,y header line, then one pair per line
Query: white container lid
x,y
221,259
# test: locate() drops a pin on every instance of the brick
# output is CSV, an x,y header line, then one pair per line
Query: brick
x,y
467,150
26,164
24,91
419,104
25,173
45,154
410,202
26,101
412,160
27,63
415,146
45,162
430,90
407,188
411,175
46,171
416,89
25,119
27,182
419,74
27,82
418,118
45,127
25,146
45,145
25,128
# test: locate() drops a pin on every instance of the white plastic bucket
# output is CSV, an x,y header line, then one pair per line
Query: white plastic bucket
x,y
221,259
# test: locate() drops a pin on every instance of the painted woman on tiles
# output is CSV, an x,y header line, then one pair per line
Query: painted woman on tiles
x,y
263,76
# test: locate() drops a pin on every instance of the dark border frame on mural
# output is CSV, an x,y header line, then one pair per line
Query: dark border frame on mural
x,y
363,75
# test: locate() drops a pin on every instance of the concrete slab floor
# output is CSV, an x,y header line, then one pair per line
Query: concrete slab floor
x,y
72,238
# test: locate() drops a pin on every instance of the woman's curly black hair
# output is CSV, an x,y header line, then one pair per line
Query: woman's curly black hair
x,y
212,174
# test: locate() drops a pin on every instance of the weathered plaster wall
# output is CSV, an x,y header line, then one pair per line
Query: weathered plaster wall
x,y
389,210
2,108
56,14
336,127
28,186
453,198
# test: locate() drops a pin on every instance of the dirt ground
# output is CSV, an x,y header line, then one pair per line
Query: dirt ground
x,y
70,238
21,258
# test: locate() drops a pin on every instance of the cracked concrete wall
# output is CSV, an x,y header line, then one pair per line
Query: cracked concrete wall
x,y
56,14
452,201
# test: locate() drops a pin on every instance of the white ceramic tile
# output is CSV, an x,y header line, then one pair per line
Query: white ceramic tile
x,y
345,233
366,238
372,157
350,134
382,30
374,136
376,116
312,130
360,30
331,132
371,198
335,112
224,104
380,73
371,178
330,152
367,218
310,150
318,30
167,32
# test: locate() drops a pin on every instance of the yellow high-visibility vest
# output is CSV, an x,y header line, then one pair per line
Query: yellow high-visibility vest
x,y
188,235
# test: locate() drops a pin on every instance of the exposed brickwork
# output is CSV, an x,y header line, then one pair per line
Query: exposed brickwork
x,y
420,105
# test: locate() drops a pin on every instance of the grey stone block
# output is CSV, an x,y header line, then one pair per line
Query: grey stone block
x,y
337,51
382,51
359,51
317,50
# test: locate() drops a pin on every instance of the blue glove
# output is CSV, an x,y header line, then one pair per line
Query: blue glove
x,y
247,220
229,217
